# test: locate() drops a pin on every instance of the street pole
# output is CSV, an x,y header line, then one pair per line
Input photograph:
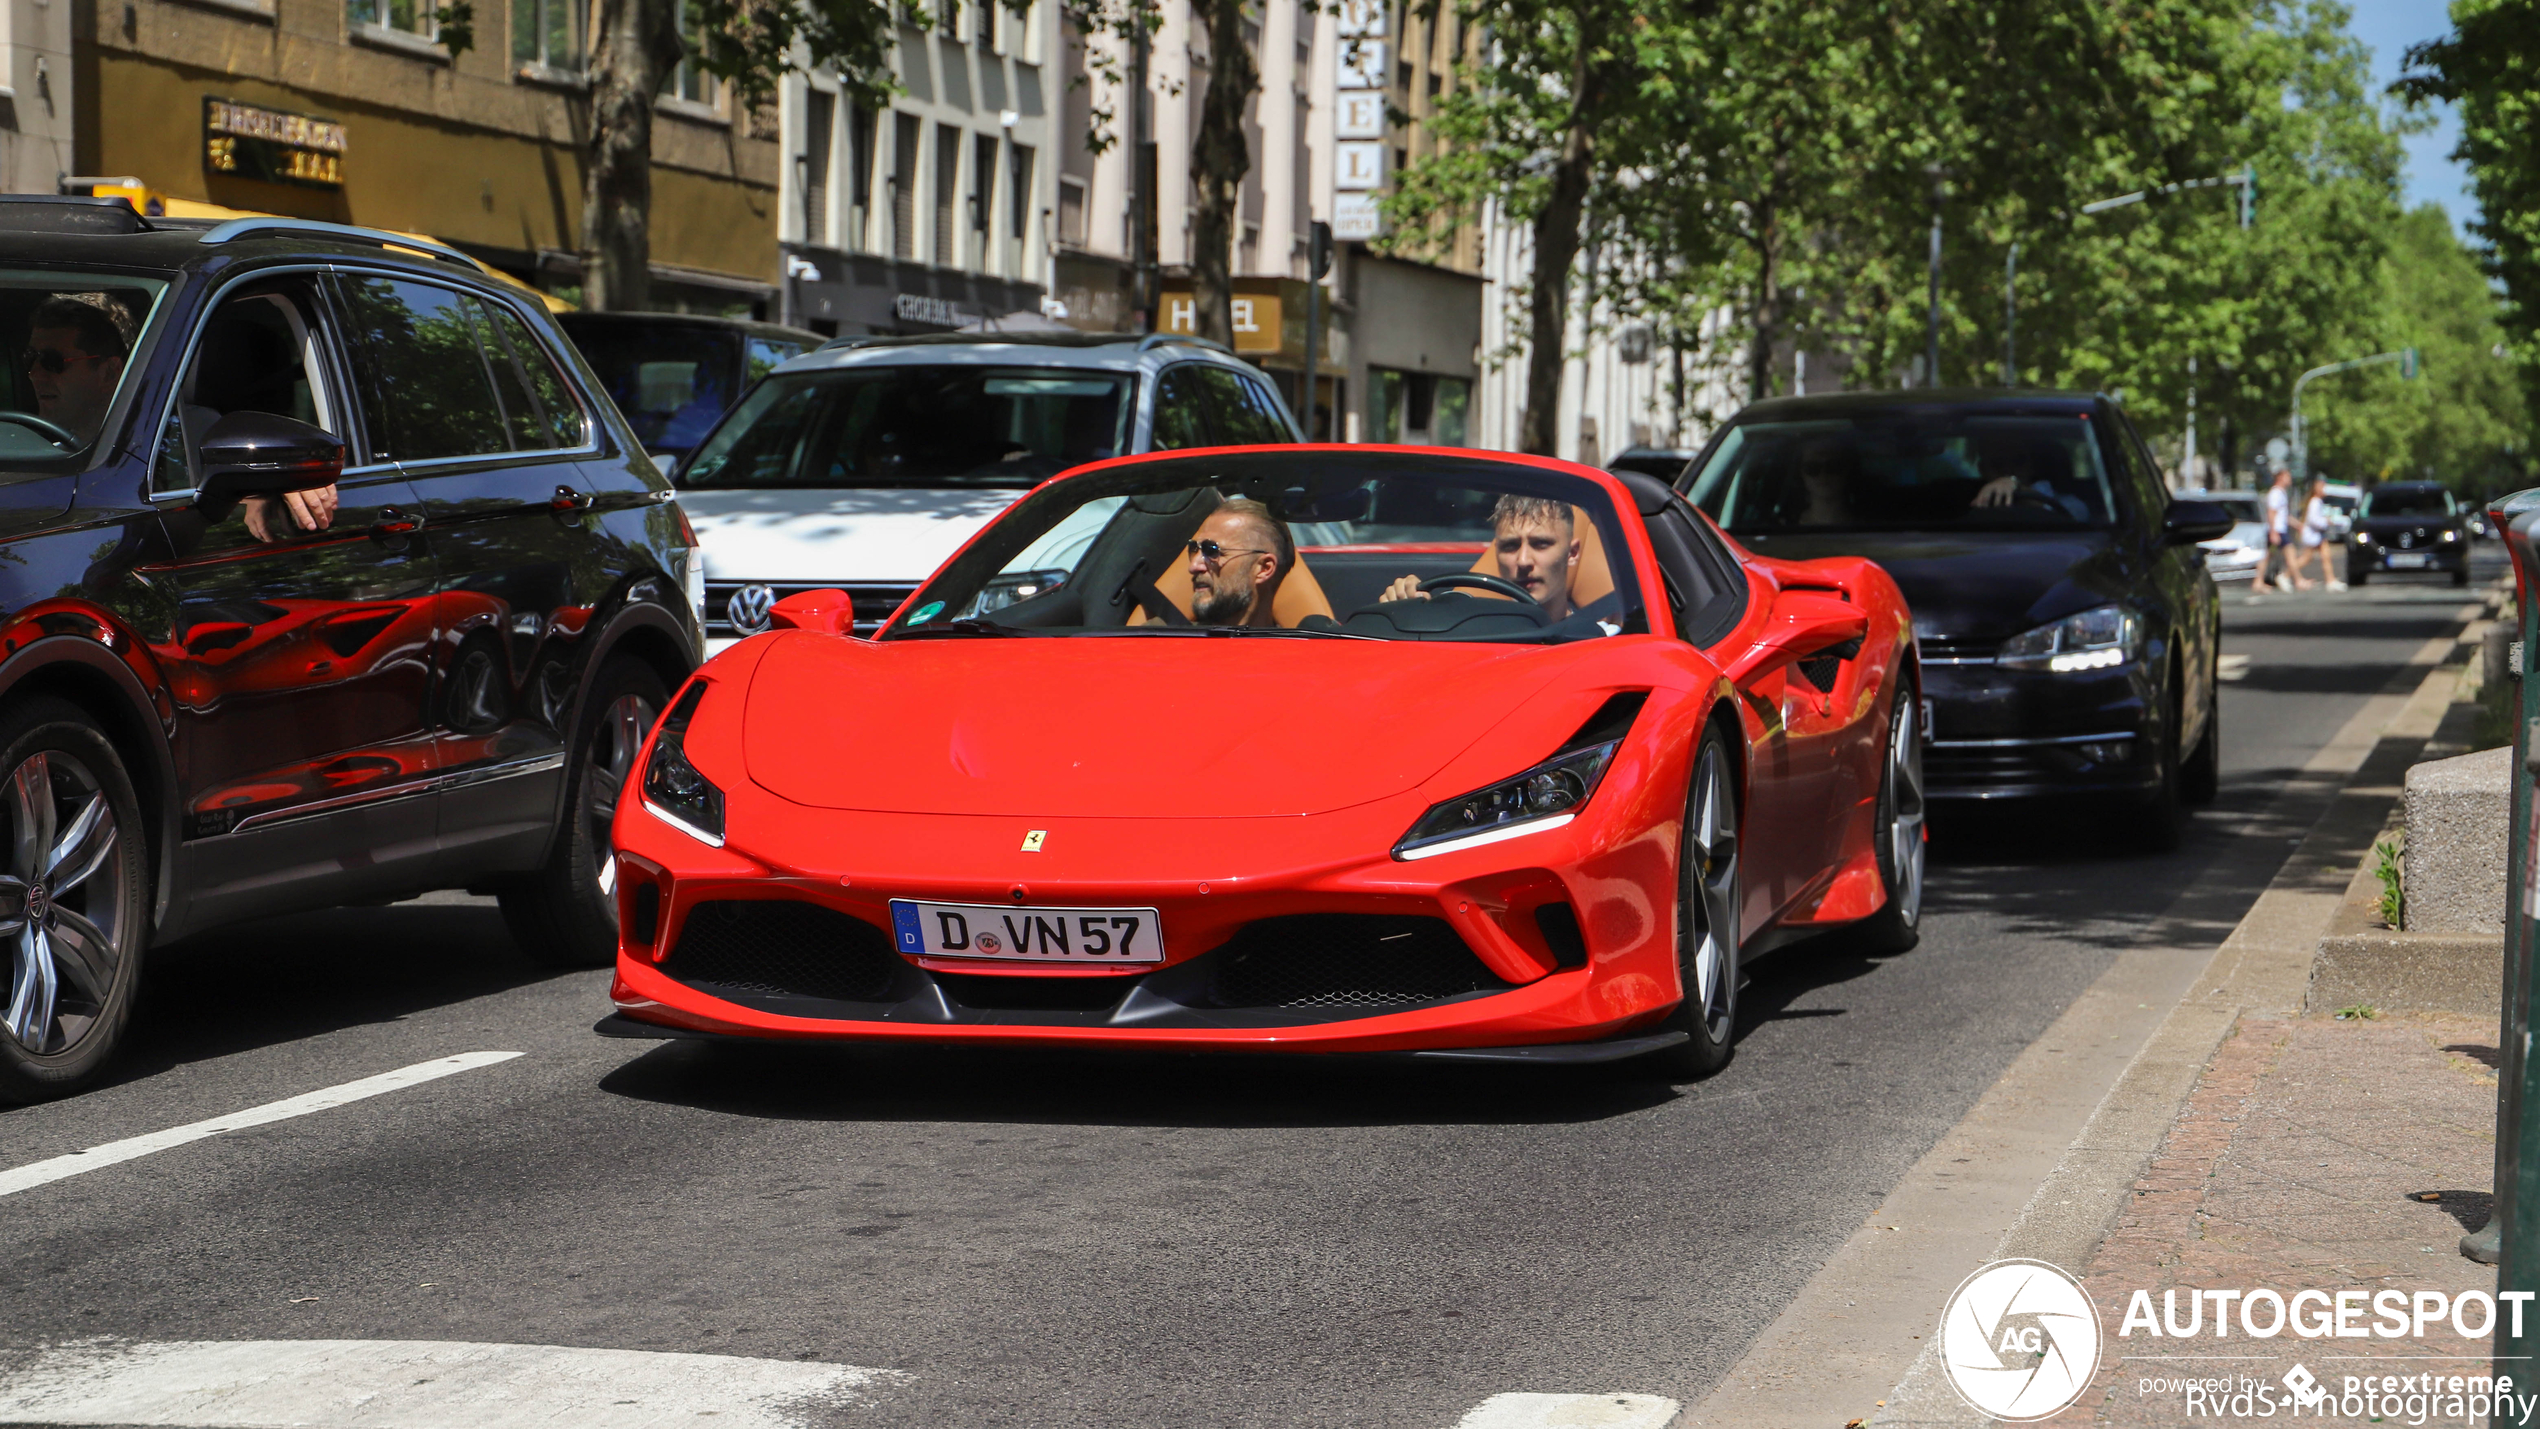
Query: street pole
x,y
1931,353
2011,318
2187,463
1142,284
1318,261
2406,357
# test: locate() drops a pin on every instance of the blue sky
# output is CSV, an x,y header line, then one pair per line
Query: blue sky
x,y
2388,27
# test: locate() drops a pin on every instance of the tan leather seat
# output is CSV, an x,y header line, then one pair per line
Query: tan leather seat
x,y
1300,595
1591,582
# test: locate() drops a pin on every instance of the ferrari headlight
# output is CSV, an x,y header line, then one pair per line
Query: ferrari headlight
x,y
1005,589
2101,638
674,792
1544,797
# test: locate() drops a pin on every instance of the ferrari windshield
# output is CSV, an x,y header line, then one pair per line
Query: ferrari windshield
x,y
1386,546
916,426
1929,469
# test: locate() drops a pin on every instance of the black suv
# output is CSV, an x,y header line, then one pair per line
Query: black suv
x,y
324,578
2411,526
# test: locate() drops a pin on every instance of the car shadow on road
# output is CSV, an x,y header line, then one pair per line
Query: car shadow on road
x,y
280,980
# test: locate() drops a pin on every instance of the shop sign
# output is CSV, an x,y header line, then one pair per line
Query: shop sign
x,y
1361,65
1358,165
1359,116
268,144
1355,216
1257,318
919,308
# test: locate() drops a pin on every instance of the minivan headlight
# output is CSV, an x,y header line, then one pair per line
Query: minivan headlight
x,y
1544,797
2101,638
674,792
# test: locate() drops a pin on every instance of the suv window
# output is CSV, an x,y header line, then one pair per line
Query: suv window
x,y
442,376
1242,409
68,337
260,351
904,425
1181,410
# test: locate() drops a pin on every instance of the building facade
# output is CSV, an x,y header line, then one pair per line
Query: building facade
x,y
358,111
937,212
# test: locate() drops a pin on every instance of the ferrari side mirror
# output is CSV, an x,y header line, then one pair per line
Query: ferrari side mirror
x,y
830,612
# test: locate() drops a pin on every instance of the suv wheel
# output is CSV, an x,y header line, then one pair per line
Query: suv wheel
x,y
565,915
73,903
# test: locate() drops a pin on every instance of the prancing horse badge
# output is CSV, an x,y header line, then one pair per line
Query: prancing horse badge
x,y
1032,840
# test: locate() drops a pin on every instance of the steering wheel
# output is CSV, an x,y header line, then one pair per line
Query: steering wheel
x,y
2031,496
42,428
1497,585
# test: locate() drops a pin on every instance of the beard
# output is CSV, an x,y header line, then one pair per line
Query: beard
x,y
1220,605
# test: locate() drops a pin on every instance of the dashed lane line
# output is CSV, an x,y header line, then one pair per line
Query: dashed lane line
x,y
42,1173
415,1384
1571,1411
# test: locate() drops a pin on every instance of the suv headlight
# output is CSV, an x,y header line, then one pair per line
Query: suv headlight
x,y
2097,639
1544,797
674,792
1004,590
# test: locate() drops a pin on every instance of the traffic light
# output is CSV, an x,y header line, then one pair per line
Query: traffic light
x,y
1318,251
2248,195
2409,365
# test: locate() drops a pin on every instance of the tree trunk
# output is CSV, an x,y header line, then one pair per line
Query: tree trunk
x,y
636,45
1768,303
1556,248
1219,161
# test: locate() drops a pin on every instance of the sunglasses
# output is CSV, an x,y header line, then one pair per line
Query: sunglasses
x,y
52,359
1213,552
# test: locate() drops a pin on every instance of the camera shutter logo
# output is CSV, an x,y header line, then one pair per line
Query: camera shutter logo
x,y
2020,1340
748,608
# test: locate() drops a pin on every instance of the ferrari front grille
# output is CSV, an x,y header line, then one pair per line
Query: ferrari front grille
x,y
786,948
1348,960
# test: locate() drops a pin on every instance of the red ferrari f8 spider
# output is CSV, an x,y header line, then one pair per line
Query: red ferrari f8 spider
x,y
1312,749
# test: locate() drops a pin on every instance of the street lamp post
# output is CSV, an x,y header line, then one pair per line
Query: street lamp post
x,y
2406,357
2011,318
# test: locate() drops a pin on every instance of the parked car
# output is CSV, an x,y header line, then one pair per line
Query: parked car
x,y
2237,554
2408,526
2067,628
2342,498
674,375
865,464
327,575
1535,813
1664,463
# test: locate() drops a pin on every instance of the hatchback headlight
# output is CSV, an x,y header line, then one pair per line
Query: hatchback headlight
x,y
674,792
2450,535
1544,797
2363,538
2097,639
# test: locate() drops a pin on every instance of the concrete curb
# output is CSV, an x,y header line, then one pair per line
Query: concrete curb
x,y
2043,1163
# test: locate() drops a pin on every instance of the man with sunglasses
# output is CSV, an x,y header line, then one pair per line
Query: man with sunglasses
x,y
75,351
1236,560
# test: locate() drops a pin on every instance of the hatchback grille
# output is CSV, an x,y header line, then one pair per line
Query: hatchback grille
x,y
873,600
1348,960
786,948
1937,648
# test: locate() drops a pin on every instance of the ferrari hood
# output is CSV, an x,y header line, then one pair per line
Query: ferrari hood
x,y
1122,727
803,535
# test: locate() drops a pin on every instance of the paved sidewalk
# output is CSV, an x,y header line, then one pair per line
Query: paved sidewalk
x,y
2299,1161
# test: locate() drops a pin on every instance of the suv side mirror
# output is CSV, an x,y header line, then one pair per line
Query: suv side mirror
x,y
2187,522
264,454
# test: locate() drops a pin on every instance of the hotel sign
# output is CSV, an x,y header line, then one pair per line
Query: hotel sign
x,y
267,144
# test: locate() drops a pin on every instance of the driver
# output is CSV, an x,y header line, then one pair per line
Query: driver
x,y
75,349
1237,558
2013,466
1537,543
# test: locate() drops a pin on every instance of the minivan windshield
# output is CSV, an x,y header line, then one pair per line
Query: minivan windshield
x,y
2407,501
70,340
1915,470
916,426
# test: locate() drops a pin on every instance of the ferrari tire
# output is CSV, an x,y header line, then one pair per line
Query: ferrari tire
x,y
2200,777
1898,833
1707,926
565,914
77,900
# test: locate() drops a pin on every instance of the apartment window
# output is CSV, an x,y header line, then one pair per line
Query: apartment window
x,y
548,33
688,82
820,121
904,188
947,189
983,183
415,17
1072,211
948,18
983,19
1019,208
859,176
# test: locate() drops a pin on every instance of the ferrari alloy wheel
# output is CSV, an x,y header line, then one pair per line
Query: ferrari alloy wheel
x,y
1707,916
1897,926
565,915
72,903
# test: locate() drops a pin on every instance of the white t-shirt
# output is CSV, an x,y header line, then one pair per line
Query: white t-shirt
x,y
2315,521
2279,510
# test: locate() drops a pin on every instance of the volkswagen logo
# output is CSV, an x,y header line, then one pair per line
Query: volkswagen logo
x,y
749,606
2407,539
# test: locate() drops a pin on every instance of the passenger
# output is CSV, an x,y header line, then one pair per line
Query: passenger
x,y
1828,470
1238,557
1537,544
75,349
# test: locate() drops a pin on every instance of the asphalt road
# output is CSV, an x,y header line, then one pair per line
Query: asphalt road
x,y
1060,1239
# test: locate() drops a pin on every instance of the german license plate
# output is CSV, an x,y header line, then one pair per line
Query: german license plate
x,y
2406,560
1027,935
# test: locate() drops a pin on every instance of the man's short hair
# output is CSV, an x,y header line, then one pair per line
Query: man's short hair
x,y
105,327
1527,510
1282,545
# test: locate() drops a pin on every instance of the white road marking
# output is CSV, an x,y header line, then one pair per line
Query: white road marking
x,y
39,1173
1572,1411
2229,668
415,1384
